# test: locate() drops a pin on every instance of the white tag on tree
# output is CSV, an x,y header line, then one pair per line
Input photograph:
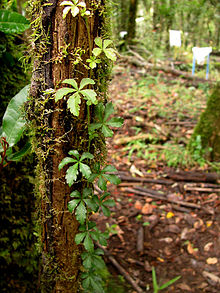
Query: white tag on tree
x,y
201,53
175,38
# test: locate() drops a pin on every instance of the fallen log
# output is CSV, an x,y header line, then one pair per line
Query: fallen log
x,y
145,180
194,176
161,196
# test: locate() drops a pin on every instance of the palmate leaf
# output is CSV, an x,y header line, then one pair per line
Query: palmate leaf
x,y
98,42
79,237
13,122
106,43
115,122
97,51
109,168
12,22
109,109
86,155
112,178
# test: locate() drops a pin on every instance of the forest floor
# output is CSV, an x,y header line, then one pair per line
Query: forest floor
x,y
167,211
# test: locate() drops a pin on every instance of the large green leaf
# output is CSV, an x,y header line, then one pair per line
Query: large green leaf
x,y
20,154
13,122
12,22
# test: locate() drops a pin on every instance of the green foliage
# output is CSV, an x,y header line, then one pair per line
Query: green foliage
x,y
12,22
158,288
93,61
77,93
14,123
103,48
103,176
75,7
73,171
102,114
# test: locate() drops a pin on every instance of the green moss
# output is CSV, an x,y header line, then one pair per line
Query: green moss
x,y
208,127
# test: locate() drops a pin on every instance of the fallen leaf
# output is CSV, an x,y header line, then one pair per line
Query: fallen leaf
x,y
184,286
208,246
211,276
208,224
147,209
134,171
167,239
191,249
170,215
138,205
211,260
198,224
160,259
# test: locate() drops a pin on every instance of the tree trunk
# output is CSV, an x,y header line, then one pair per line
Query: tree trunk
x,y
208,127
132,20
61,47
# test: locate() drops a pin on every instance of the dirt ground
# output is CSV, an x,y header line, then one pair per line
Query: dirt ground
x,y
177,239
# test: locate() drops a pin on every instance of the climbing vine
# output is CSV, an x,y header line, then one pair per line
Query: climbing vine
x,y
84,167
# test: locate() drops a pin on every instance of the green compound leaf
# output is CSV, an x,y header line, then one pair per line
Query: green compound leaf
x,y
72,82
88,243
66,161
63,92
85,81
85,170
13,122
73,104
73,204
12,22
71,174
105,211
81,212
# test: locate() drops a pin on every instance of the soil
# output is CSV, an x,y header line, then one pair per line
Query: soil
x,y
146,232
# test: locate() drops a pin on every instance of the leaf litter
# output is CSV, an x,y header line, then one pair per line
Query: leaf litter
x,y
160,220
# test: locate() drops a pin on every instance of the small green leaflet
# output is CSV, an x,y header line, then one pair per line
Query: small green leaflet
x,y
77,93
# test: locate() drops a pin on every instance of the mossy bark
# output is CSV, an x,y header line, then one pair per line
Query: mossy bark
x,y
132,21
59,44
208,126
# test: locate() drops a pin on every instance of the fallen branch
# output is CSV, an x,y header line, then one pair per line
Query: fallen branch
x,y
145,180
160,196
194,176
121,270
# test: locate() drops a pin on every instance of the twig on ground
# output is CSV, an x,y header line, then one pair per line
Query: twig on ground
x,y
121,270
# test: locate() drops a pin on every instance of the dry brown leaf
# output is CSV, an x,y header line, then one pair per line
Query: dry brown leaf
x,y
147,209
208,246
184,286
190,249
138,205
211,260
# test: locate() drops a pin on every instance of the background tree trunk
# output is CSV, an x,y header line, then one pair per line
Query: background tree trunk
x,y
132,20
208,126
60,52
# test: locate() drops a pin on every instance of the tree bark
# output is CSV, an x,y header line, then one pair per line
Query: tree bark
x,y
132,20
61,47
